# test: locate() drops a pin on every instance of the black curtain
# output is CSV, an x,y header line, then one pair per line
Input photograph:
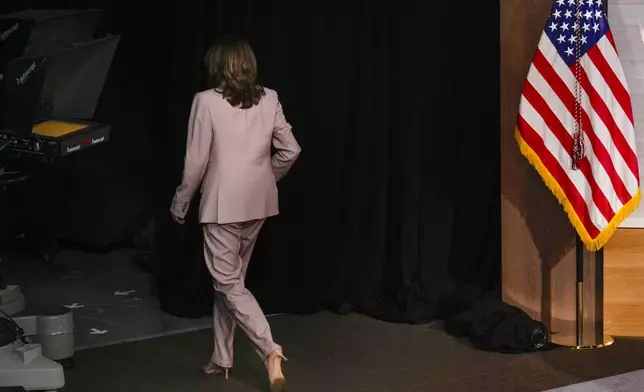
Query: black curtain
x,y
395,199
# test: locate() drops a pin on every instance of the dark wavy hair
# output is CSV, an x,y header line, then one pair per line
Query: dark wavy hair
x,y
232,70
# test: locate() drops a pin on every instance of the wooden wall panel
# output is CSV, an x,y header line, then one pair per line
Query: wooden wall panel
x,y
624,283
624,254
538,250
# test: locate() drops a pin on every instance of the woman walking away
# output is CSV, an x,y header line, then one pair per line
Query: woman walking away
x,y
231,130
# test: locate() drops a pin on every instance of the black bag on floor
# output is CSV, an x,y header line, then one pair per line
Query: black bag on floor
x,y
496,326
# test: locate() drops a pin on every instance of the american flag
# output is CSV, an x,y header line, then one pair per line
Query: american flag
x,y
575,122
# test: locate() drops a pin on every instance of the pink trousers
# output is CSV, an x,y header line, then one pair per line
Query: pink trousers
x,y
228,248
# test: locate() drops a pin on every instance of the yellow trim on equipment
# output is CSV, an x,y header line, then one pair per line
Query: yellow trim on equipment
x,y
56,128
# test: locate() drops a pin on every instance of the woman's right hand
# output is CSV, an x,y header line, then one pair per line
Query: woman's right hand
x,y
177,219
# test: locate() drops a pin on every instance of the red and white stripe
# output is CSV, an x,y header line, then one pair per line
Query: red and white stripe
x,y
609,176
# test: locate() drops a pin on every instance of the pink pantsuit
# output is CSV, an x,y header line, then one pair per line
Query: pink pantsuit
x,y
229,154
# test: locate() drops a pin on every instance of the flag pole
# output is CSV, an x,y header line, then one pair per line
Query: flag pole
x,y
573,46
577,340
579,291
605,340
601,340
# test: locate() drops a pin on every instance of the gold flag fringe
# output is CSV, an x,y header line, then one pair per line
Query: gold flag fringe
x,y
592,244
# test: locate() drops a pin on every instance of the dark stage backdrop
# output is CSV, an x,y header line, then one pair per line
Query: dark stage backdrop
x,y
395,199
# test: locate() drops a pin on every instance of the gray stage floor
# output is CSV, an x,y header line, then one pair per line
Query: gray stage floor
x,y
327,352
332,353
111,295
628,382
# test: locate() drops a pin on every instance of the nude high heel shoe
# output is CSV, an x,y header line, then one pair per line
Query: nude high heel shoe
x,y
212,369
274,369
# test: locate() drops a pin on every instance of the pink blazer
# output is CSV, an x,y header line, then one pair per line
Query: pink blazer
x,y
229,154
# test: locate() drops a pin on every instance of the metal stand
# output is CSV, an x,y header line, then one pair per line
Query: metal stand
x,y
602,340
